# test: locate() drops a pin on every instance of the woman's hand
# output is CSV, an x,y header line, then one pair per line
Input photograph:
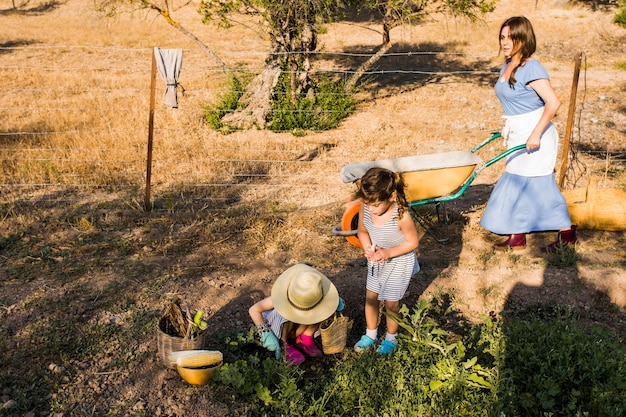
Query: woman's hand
x,y
533,142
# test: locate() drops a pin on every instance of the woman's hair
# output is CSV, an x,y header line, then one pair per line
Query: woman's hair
x,y
379,184
522,34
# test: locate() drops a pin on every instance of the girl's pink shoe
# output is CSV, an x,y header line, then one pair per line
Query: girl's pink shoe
x,y
293,355
306,345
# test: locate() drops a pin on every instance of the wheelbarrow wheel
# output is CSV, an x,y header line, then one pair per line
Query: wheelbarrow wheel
x,y
349,224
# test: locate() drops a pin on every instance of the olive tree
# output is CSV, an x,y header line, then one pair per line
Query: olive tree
x,y
291,26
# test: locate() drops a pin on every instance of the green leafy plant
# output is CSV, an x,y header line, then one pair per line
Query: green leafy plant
x,y
557,365
486,256
227,103
542,361
323,108
564,257
620,16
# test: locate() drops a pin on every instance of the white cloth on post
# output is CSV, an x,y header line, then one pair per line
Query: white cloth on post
x,y
169,62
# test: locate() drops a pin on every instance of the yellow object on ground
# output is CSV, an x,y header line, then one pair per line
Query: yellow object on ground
x,y
597,209
196,358
197,376
196,366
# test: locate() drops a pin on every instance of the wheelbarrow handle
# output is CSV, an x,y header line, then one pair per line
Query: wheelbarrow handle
x,y
500,156
337,231
494,135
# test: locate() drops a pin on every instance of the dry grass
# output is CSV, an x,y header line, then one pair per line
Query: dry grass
x,y
76,111
78,107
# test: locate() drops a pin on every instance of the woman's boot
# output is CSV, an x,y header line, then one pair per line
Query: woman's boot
x,y
564,238
515,241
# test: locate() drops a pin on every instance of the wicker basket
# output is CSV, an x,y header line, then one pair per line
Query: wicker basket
x,y
597,209
167,343
176,332
334,331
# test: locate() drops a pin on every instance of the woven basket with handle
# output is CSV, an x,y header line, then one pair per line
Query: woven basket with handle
x,y
174,332
334,331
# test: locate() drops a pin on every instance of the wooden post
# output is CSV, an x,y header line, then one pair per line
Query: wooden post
x,y
147,204
570,121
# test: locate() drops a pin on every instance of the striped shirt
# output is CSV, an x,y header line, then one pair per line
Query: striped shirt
x,y
389,279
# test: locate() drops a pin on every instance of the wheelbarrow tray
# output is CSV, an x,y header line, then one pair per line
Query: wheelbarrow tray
x,y
429,179
425,176
433,178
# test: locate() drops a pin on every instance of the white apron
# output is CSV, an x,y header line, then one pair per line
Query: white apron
x,y
538,162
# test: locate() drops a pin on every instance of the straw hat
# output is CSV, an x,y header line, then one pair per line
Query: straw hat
x,y
303,295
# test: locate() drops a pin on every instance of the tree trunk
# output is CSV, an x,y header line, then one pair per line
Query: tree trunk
x,y
257,100
365,66
388,23
308,44
293,86
256,103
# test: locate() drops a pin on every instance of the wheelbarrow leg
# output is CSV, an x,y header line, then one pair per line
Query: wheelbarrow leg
x,y
428,225
442,214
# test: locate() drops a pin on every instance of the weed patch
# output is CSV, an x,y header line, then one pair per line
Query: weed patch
x,y
537,362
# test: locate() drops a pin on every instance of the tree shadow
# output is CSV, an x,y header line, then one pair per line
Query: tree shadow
x,y
405,67
569,371
21,135
5,47
83,276
22,10
598,5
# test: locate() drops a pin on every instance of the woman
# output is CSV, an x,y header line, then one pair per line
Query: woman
x,y
526,198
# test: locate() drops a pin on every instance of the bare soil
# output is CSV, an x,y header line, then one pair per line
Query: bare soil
x,y
169,251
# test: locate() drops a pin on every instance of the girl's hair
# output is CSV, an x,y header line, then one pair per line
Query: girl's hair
x,y
522,33
379,184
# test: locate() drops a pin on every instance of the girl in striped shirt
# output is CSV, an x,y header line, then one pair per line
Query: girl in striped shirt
x,y
387,232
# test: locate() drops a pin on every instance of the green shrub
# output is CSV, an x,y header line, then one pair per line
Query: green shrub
x,y
620,17
323,108
227,103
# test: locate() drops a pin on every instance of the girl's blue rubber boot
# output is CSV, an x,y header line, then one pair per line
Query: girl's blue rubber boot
x,y
364,344
387,347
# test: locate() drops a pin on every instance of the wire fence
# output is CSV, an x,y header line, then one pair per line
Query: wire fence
x,y
82,124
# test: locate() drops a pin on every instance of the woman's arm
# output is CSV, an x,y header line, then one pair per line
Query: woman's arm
x,y
546,92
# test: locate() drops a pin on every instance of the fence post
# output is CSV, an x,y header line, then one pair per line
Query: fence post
x,y
570,120
147,204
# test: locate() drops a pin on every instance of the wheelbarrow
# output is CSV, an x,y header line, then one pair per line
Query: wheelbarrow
x,y
429,179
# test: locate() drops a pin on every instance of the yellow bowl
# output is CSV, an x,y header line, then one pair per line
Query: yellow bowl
x,y
197,376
